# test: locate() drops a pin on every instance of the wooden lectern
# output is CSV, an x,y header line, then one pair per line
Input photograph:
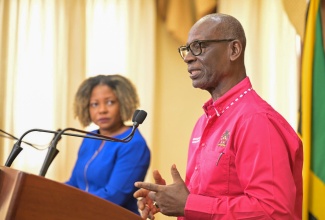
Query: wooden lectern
x,y
27,196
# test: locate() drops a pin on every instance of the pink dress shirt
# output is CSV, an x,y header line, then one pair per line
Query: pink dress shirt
x,y
244,161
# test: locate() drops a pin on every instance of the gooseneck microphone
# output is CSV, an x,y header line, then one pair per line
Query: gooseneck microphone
x,y
138,117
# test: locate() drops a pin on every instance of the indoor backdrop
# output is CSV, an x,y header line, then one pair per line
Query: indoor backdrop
x,y
48,47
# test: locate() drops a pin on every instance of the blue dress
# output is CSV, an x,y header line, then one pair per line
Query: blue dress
x,y
111,172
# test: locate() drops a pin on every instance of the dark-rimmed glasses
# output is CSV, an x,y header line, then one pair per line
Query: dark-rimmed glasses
x,y
196,48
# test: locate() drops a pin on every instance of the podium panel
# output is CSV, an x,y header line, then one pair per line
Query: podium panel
x,y
26,196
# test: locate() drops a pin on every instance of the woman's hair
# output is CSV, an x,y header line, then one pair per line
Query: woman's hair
x,y
123,88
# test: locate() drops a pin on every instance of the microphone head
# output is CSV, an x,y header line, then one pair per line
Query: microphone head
x,y
139,118
135,115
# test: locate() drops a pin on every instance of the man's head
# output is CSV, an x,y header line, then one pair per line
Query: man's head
x,y
215,53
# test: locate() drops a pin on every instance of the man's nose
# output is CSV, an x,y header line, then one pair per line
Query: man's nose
x,y
189,57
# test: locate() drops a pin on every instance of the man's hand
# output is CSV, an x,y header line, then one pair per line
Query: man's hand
x,y
145,203
170,199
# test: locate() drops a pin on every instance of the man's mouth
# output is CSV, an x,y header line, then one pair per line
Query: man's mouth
x,y
194,73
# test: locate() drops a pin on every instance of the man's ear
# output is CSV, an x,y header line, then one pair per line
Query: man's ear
x,y
235,49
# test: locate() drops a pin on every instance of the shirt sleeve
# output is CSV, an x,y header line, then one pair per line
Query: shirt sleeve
x,y
268,161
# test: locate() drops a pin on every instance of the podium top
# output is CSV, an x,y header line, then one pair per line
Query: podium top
x,y
28,196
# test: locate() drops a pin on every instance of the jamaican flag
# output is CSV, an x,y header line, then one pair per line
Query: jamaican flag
x,y
312,114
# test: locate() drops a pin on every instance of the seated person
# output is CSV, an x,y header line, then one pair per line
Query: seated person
x,y
104,168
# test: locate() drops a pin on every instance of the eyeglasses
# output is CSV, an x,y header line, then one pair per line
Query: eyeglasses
x,y
196,47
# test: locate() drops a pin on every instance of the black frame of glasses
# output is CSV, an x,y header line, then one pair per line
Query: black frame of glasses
x,y
188,47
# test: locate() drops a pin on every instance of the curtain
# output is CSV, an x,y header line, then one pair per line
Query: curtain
x,y
296,11
32,36
47,48
272,53
180,15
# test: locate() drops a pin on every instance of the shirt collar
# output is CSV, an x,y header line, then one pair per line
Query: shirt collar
x,y
228,99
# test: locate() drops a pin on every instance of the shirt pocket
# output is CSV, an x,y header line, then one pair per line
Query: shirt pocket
x,y
215,172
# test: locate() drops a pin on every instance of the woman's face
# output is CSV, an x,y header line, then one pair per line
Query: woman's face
x,y
104,110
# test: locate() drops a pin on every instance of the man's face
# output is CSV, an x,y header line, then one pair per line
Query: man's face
x,y
208,69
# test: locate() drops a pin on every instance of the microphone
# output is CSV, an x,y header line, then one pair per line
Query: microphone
x,y
138,117
135,114
17,148
51,153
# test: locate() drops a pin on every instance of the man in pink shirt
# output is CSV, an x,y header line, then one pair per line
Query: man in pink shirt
x,y
245,160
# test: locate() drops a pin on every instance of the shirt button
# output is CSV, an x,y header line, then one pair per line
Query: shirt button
x,y
195,168
203,145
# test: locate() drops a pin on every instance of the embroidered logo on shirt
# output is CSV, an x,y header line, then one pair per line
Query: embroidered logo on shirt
x,y
196,140
224,138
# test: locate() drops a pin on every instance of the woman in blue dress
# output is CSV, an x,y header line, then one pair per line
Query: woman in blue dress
x,y
104,168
